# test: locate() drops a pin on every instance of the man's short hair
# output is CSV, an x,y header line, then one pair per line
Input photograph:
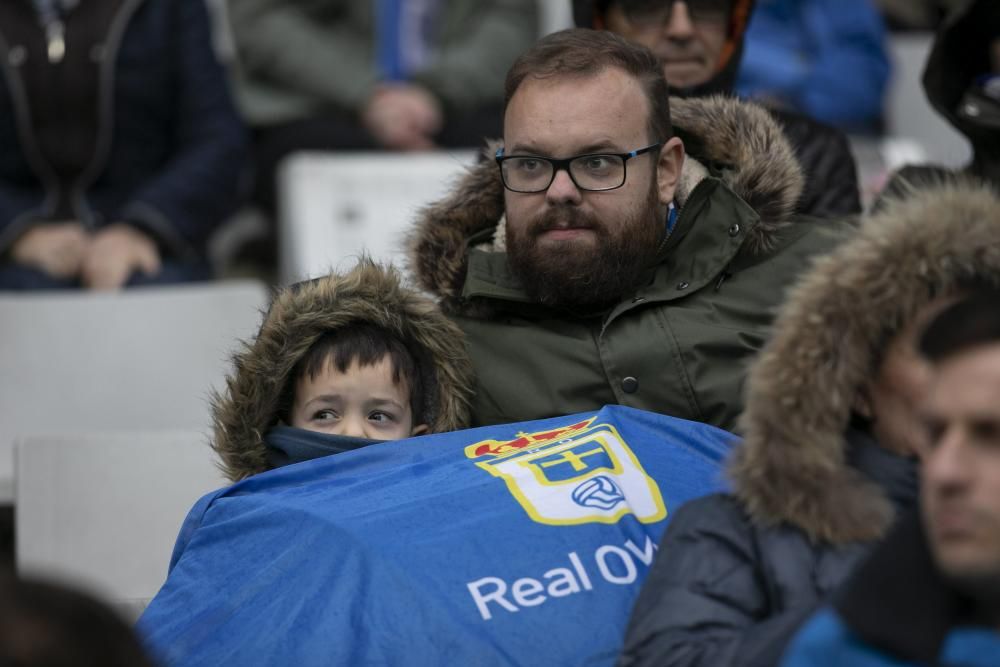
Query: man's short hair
x,y
367,345
582,52
968,323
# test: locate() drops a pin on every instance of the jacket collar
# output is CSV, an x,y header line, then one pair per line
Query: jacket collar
x,y
738,142
829,337
897,601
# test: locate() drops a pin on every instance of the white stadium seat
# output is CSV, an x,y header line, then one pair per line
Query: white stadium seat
x,y
336,206
144,359
102,511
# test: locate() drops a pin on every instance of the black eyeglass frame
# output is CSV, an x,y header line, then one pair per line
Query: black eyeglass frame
x,y
563,164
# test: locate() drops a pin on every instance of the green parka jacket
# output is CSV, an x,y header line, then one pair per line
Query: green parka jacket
x,y
678,344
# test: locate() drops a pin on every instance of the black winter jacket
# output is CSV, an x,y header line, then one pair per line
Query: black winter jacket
x,y
726,591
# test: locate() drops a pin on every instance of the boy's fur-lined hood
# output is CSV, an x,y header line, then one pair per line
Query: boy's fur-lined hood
x,y
738,139
297,318
829,339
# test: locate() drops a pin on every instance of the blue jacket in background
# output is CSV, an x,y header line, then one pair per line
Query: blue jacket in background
x,y
899,610
171,147
827,642
824,58
519,544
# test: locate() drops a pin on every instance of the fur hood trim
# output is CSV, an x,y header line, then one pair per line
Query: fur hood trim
x,y
828,338
738,140
299,316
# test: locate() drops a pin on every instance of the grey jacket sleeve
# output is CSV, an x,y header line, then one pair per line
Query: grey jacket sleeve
x,y
298,45
710,599
479,43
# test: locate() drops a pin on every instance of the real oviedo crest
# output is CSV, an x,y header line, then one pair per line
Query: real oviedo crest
x,y
582,473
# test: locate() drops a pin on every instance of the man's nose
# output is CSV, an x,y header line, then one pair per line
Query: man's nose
x,y
562,189
947,466
680,26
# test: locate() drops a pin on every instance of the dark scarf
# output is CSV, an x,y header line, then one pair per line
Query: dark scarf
x,y
287,445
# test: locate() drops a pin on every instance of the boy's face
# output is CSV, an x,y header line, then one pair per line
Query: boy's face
x,y
364,402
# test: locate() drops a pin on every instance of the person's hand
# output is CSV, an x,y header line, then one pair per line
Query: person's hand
x,y
114,254
57,249
403,116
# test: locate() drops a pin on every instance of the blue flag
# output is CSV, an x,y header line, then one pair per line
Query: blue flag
x,y
522,544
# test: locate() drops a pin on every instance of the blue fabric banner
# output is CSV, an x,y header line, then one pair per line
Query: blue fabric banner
x,y
522,544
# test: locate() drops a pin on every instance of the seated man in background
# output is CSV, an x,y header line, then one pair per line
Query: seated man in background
x,y
831,434
700,43
592,264
354,358
931,593
120,148
341,74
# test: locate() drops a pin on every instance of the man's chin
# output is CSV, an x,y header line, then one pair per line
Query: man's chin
x,y
684,74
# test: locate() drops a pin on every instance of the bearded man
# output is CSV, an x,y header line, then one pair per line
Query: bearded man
x,y
590,263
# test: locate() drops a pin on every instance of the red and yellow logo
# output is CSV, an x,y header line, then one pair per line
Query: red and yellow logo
x,y
579,473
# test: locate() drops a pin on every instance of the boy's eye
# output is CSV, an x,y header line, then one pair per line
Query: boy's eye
x,y
381,417
324,415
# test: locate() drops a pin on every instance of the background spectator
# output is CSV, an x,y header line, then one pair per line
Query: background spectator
x,y
831,430
341,74
120,149
962,82
48,625
824,58
700,43
931,593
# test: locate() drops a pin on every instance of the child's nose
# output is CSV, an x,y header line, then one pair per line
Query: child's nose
x,y
353,426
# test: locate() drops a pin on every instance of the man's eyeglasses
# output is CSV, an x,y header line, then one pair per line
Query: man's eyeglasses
x,y
657,13
593,172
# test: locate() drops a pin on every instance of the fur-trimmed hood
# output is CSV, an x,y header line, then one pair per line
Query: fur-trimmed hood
x,y
828,338
737,140
297,318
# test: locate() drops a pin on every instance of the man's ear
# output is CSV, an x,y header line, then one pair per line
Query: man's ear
x,y
668,169
420,429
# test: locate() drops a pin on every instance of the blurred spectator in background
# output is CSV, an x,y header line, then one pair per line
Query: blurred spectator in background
x,y
931,594
824,58
48,625
831,433
962,82
700,43
394,74
120,148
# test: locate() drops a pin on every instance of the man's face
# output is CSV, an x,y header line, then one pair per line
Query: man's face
x,y
896,391
579,248
687,37
961,469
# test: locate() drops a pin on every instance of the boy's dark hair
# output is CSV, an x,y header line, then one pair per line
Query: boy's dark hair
x,y
973,321
581,52
49,625
366,344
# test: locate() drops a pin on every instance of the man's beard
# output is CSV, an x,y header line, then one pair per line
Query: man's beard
x,y
576,276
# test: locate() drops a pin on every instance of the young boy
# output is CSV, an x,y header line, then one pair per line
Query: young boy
x,y
340,362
